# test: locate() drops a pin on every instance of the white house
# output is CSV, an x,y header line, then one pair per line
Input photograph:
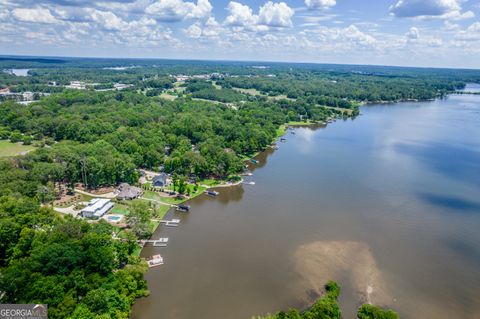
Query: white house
x,y
96,208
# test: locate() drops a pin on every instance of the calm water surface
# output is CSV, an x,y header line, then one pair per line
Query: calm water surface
x,y
403,178
19,72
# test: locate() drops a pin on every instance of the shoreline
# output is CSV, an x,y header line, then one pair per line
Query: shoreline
x,y
281,131
369,283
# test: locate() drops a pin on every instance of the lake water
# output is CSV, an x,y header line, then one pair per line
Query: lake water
x,y
18,72
471,88
399,184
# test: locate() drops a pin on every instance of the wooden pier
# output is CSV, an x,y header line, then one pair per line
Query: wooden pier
x,y
161,242
171,223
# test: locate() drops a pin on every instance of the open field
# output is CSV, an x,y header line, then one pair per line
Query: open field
x,y
300,123
12,149
167,96
249,91
171,200
256,92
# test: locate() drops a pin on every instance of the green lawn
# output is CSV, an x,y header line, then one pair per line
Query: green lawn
x,y
249,91
281,130
11,149
167,96
300,123
121,209
209,182
218,87
162,210
280,97
171,200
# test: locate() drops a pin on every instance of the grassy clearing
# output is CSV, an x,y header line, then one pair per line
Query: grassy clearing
x,y
167,96
281,130
347,111
256,92
153,224
121,209
162,210
11,149
280,97
300,123
172,200
209,182
249,91
210,101
218,87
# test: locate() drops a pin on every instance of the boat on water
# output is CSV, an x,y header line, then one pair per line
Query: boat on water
x,y
283,139
292,132
156,260
250,183
211,193
183,208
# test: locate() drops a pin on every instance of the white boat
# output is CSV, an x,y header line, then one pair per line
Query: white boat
x,y
156,260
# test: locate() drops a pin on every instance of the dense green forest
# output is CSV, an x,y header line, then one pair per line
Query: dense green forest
x,y
111,133
203,127
73,266
327,307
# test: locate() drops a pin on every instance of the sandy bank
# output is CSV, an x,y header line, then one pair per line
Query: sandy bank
x,y
321,261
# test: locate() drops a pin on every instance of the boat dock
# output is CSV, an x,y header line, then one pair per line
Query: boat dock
x,y
161,242
171,223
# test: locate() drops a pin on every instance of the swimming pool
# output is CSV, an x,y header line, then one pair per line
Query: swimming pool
x,y
114,218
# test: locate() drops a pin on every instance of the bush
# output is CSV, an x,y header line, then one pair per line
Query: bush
x,y
368,311
4,134
27,140
16,137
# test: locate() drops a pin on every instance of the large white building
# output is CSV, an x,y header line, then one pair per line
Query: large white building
x,y
97,207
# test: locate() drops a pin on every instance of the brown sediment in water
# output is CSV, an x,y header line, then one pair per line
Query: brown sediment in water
x,y
321,261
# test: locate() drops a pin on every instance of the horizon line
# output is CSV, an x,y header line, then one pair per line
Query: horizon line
x,y
238,61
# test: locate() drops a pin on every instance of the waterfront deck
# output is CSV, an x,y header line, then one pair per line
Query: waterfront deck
x,y
171,223
161,242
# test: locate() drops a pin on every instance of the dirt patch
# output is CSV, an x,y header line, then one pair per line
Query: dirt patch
x,y
321,261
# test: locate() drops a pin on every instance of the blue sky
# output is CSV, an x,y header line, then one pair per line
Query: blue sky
x,y
437,33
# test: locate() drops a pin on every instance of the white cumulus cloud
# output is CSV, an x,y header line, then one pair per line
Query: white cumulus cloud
x,y
441,9
276,14
412,34
320,4
35,15
240,15
107,19
176,10
472,33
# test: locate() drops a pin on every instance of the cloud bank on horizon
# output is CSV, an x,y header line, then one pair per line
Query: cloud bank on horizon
x,y
394,32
